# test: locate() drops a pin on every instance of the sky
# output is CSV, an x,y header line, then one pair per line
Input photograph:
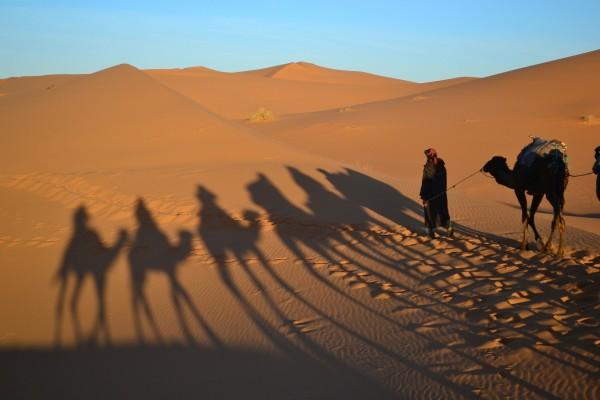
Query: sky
x,y
414,40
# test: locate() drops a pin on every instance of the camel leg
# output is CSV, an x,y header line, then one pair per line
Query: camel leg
x,y
176,291
146,306
101,322
73,306
135,306
561,231
199,318
535,203
59,311
555,220
524,218
548,246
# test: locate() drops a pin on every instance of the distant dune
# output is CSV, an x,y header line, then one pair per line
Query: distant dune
x,y
116,117
284,89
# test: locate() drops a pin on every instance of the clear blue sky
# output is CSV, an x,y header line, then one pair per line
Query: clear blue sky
x,y
415,40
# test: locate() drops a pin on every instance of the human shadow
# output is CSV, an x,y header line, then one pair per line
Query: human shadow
x,y
150,251
85,255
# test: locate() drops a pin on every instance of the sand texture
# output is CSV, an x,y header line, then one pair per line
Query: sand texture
x,y
155,243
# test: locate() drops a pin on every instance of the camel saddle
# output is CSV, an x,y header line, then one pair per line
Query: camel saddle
x,y
540,147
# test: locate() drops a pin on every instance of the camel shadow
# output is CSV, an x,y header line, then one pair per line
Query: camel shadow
x,y
376,196
151,251
230,245
225,236
85,255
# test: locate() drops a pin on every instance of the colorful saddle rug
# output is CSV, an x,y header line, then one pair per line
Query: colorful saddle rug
x,y
540,147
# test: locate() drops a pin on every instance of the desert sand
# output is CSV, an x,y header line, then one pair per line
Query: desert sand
x,y
157,243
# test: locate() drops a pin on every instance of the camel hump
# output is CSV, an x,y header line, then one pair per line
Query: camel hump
x,y
540,147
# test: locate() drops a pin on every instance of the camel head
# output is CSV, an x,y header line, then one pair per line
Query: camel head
x,y
495,165
498,168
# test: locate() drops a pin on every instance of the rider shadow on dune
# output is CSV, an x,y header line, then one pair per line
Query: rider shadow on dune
x,y
151,251
376,196
85,255
313,238
232,241
225,236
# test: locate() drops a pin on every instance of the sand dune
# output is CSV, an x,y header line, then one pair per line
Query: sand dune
x,y
29,84
117,117
285,89
152,246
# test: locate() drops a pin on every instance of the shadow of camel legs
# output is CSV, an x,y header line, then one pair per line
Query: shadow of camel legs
x,y
152,251
85,255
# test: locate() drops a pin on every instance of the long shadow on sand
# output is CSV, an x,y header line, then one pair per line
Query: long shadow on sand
x,y
225,236
152,251
85,255
494,299
477,296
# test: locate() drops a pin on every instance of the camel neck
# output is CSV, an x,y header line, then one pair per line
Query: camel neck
x,y
505,178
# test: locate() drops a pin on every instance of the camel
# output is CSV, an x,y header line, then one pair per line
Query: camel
x,y
151,250
545,175
596,170
86,255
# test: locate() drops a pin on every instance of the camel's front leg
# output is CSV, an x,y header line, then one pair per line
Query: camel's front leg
x,y
535,203
561,231
524,218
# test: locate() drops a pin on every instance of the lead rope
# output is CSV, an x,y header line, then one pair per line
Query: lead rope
x,y
580,175
456,184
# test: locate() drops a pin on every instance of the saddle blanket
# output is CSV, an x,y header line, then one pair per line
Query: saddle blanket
x,y
540,147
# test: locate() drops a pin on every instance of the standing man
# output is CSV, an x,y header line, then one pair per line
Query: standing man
x,y
433,194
